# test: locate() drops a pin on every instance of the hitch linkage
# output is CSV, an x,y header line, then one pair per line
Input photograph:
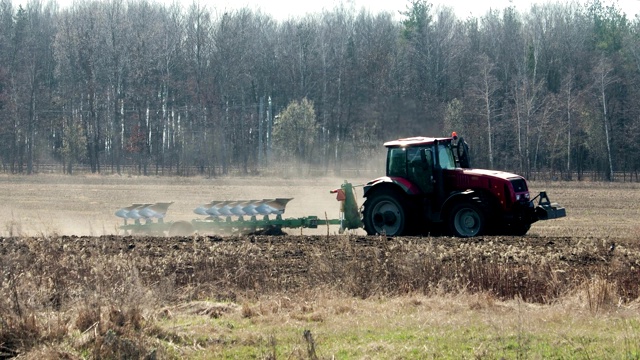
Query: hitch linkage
x,y
546,210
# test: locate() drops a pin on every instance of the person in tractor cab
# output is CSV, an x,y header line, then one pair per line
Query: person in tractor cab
x,y
462,153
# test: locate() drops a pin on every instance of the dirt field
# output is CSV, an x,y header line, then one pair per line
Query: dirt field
x,y
602,225
85,205
71,287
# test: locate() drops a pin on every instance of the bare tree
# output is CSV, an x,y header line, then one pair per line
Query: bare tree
x,y
142,84
117,61
603,79
483,91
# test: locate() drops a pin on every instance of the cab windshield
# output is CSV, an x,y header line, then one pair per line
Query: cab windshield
x,y
445,155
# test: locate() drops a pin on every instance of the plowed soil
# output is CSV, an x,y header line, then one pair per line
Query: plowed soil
x,y
74,215
532,267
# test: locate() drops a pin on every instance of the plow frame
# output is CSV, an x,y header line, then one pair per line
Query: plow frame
x,y
349,219
226,226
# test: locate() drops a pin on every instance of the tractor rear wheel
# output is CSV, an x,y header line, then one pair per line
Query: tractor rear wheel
x,y
181,228
466,220
385,213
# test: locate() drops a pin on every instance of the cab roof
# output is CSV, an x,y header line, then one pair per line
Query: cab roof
x,y
414,141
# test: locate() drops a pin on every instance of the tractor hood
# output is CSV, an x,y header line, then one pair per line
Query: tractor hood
x,y
489,173
481,179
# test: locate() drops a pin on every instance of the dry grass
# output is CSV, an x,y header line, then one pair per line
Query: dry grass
x,y
596,210
131,297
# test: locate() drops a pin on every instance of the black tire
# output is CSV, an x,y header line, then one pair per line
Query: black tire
x,y
181,228
466,220
385,213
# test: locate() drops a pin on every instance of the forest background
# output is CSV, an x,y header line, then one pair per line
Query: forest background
x,y
140,87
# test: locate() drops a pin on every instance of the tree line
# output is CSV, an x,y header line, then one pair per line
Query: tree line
x,y
117,84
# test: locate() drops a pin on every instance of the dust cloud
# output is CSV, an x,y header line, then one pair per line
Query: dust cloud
x,y
85,205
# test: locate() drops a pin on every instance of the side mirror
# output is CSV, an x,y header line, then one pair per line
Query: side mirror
x,y
461,152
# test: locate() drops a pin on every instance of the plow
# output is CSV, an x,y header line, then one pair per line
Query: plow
x,y
429,188
236,217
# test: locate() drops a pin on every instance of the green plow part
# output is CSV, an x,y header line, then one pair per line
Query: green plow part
x,y
227,226
230,217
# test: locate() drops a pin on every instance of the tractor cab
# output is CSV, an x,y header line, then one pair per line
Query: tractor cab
x,y
419,159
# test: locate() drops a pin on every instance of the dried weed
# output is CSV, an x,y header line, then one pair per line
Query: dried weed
x,y
108,284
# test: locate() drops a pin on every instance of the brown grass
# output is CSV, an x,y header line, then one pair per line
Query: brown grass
x,y
104,284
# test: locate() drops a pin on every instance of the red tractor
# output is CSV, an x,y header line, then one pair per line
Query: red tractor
x,y
429,188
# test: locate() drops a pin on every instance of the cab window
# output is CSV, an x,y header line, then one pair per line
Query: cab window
x,y
397,162
445,155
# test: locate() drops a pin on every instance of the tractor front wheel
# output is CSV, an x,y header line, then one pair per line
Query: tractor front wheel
x,y
466,220
385,214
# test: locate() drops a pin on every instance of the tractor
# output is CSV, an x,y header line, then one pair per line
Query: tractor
x,y
430,188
